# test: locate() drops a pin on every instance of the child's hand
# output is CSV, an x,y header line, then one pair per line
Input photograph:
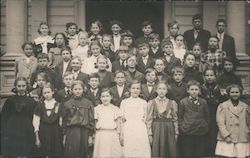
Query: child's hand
x,y
228,139
38,143
90,140
150,138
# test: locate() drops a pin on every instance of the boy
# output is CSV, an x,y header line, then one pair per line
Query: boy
x,y
148,90
121,64
116,27
147,29
170,60
144,60
106,42
120,90
154,42
193,122
76,65
93,92
173,28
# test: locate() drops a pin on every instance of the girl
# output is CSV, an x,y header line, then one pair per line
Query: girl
x,y
199,57
47,124
179,47
55,53
127,39
108,128
106,77
135,134
44,42
79,123
96,30
71,31
27,64
89,66
162,117
82,49
17,113
233,136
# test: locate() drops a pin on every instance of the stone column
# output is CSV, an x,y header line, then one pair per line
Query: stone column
x,y
167,16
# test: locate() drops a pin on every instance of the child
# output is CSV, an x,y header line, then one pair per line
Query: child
x,y
27,64
127,39
93,91
144,60
76,65
44,42
210,91
107,47
233,136
55,52
147,29
96,30
159,67
116,27
120,90
193,122
90,63
199,57
121,63
180,48
106,77
65,94
79,123
148,90
108,128
154,43
47,122
173,28
82,48
135,134
71,30
132,74
190,72
170,60
162,118
16,120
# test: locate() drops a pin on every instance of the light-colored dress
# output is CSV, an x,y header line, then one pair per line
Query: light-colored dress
x,y
136,142
107,139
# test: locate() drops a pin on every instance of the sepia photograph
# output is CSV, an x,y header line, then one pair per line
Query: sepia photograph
x,y
124,79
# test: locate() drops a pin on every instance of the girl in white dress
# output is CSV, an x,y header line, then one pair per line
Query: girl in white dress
x,y
108,128
135,132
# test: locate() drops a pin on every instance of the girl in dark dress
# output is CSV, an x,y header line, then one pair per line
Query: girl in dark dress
x,y
47,124
78,122
17,129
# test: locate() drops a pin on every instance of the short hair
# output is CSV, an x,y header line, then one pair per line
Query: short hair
x,y
67,73
107,35
149,70
228,89
43,23
193,83
76,82
162,82
146,23
64,37
166,42
171,24
197,16
221,20
27,43
94,75
214,36
119,71
42,56
127,33
142,44
106,90
134,82
198,44
177,69
83,33
154,36
48,85
209,69
69,24
229,59
98,23
67,48
133,57
113,22
78,58
43,75
123,48
187,54
95,42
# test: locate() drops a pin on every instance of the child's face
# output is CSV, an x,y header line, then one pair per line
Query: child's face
x,y
154,42
197,23
59,40
102,64
28,50
190,60
77,90
95,29
66,55
106,98
161,90
21,87
120,79
115,29
96,50
67,80
48,93
193,91
123,55
40,81
179,41
228,66
168,49
94,83
213,42
43,62
234,93
143,50
72,30
82,38
131,62
106,41
178,77
197,50
127,41
209,76
221,27
76,64
147,30
135,90
174,30
151,77
159,66
44,29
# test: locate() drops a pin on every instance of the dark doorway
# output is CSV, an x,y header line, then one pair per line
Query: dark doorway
x,y
130,13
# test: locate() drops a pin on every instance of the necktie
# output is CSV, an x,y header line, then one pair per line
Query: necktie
x,y
220,41
196,34
68,92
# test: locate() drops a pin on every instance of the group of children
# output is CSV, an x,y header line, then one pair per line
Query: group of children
x,y
102,95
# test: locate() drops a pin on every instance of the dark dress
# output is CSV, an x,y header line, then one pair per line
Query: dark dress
x,y
17,129
79,125
50,132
